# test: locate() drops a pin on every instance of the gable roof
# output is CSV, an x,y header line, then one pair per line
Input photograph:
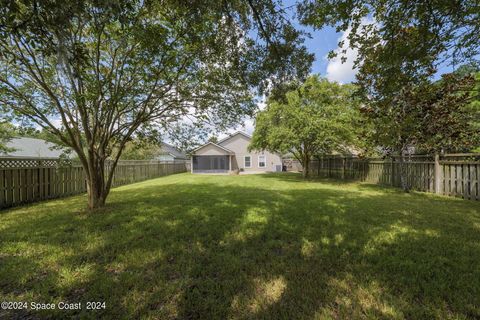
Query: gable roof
x,y
31,147
214,144
235,134
171,150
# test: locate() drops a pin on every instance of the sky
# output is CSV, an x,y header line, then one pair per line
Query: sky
x,y
320,43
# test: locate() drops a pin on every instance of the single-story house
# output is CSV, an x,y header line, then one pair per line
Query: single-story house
x,y
170,153
231,154
31,148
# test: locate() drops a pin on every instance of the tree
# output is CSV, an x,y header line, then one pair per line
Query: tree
x,y
110,70
187,137
430,117
140,149
6,133
213,139
449,118
400,45
475,106
317,118
420,34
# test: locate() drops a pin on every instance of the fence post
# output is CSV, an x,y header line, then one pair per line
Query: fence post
x,y
392,179
329,167
437,174
319,165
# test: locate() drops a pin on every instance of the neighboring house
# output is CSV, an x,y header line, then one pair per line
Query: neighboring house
x,y
32,148
290,163
231,154
170,153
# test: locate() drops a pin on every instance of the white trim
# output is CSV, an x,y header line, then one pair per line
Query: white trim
x,y
245,163
264,161
216,145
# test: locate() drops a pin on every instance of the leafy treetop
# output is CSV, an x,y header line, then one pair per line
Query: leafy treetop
x,y
317,118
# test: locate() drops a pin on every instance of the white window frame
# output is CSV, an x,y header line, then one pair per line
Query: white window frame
x,y
264,161
245,162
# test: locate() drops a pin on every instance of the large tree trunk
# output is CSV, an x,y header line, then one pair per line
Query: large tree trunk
x,y
97,189
306,167
96,195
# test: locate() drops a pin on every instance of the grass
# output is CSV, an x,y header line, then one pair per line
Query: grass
x,y
246,247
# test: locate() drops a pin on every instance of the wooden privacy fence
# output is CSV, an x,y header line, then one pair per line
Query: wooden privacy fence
x,y
449,174
25,180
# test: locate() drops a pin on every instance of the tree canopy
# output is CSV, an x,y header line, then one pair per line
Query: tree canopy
x,y
419,35
95,74
432,117
317,118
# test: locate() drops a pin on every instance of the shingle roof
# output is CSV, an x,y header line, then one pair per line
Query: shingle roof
x,y
233,135
31,147
216,145
171,150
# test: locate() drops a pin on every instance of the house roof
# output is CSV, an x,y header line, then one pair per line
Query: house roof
x,y
171,150
31,147
214,144
223,140
233,135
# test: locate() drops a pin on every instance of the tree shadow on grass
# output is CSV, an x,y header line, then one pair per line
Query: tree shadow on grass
x,y
297,177
206,250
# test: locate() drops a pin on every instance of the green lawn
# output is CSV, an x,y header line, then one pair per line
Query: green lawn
x,y
242,247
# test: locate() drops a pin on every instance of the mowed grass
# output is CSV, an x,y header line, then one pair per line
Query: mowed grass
x,y
246,247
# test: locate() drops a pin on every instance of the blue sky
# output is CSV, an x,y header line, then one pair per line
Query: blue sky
x,y
321,43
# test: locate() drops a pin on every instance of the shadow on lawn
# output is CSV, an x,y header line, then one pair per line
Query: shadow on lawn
x,y
209,251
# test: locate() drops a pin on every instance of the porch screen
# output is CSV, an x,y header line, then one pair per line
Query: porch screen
x,y
209,163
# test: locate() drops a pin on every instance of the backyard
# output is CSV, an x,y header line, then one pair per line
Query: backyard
x,y
269,246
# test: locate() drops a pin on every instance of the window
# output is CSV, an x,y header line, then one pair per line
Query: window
x,y
261,162
248,162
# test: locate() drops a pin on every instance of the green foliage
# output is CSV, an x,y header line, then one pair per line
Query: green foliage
x,y
451,115
267,246
213,139
6,133
140,150
187,137
432,117
416,36
317,118
400,46
474,108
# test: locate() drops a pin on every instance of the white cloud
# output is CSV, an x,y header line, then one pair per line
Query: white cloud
x,y
345,72
342,72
